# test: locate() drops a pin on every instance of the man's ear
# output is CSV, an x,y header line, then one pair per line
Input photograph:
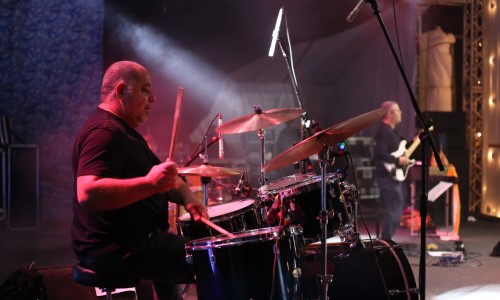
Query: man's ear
x,y
120,89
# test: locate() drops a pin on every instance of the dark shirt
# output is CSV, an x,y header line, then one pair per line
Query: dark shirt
x,y
387,140
107,147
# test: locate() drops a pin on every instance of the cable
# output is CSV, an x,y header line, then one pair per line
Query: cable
x,y
381,275
192,157
397,34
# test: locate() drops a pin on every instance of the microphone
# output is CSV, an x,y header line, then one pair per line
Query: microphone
x,y
275,33
237,189
355,11
221,139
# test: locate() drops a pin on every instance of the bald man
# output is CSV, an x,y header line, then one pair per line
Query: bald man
x,y
122,189
387,140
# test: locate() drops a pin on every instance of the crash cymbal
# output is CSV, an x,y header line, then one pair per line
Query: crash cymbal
x,y
323,139
206,170
259,120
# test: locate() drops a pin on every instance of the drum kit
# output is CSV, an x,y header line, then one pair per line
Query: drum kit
x,y
277,243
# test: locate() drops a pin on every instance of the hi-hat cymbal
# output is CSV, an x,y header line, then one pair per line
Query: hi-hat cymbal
x,y
259,120
206,170
323,139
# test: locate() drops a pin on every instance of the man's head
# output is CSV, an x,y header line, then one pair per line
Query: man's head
x,y
393,114
126,92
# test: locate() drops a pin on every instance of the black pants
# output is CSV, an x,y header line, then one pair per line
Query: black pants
x,y
159,258
392,201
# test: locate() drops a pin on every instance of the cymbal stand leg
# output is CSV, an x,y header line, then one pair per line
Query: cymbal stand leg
x,y
262,133
324,279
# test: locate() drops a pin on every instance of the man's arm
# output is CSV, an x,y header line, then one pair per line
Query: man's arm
x,y
98,194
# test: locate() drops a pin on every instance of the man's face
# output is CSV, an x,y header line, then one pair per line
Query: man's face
x,y
137,100
396,114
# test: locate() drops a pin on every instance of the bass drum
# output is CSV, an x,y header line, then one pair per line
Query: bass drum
x,y
355,272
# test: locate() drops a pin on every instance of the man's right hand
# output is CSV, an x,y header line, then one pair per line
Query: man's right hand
x,y
164,176
403,161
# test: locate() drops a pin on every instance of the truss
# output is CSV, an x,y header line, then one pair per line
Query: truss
x,y
473,97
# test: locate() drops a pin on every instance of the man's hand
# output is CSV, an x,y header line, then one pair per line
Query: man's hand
x,y
164,176
197,210
403,161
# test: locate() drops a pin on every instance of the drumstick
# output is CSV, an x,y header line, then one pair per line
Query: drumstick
x,y
180,93
216,227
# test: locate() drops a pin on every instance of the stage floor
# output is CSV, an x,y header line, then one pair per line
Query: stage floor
x,y
474,278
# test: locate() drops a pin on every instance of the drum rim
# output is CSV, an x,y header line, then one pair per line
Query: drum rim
x,y
243,237
249,206
265,190
305,185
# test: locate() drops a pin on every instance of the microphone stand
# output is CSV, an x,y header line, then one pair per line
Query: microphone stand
x,y
196,155
324,279
426,139
304,120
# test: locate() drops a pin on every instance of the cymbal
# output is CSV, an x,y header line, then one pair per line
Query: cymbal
x,y
258,120
206,170
323,139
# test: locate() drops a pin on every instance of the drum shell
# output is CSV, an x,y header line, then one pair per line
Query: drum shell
x,y
241,218
242,268
356,275
301,194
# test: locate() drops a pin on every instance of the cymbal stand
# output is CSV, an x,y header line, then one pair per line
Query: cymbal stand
x,y
205,180
324,279
261,133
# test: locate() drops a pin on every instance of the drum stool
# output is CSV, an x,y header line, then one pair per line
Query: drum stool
x,y
107,283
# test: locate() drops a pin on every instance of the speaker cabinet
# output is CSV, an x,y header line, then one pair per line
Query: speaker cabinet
x,y
22,187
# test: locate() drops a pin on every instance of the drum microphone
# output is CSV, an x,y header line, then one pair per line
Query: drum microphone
x,y
221,139
355,11
272,213
275,33
237,190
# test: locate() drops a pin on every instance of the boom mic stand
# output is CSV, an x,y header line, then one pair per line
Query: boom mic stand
x,y
426,139
324,279
305,121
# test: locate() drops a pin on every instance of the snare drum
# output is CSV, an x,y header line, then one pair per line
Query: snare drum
x,y
242,267
233,216
301,196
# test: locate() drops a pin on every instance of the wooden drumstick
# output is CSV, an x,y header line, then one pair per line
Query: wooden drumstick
x,y
180,93
217,228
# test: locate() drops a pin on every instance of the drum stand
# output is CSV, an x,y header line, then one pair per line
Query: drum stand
x,y
324,279
262,133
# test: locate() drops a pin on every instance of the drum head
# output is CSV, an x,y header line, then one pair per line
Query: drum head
x,y
243,237
218,210
286,182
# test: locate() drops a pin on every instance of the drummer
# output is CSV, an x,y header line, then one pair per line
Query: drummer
x,y
120,223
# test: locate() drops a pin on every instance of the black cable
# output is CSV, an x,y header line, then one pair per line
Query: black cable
x,y
192,157
379,269
397,34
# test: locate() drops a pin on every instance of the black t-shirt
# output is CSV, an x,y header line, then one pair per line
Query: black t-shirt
x,y
387,140
107,147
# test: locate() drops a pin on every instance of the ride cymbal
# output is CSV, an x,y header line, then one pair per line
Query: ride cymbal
x,y
323,139
259,120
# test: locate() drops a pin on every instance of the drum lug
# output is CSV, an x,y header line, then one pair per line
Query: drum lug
x,y
189,259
